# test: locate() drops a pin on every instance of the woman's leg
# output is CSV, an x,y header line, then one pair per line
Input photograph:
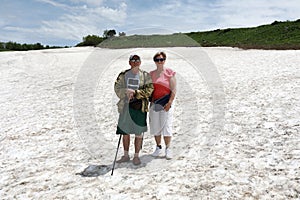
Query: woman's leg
x,y
155,129
167,140
168,132
157,140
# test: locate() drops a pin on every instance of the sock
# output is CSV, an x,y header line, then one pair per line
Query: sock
x,y
159,146
126,153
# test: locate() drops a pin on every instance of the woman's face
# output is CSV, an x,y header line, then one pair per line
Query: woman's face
x,y
159,61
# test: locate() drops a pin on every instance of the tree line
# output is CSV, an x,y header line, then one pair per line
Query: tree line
x,y
94,40
14,46
90,40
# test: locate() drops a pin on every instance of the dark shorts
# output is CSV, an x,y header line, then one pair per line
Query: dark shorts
x,y
132,121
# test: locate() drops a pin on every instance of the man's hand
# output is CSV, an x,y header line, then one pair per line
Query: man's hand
x,y
130,93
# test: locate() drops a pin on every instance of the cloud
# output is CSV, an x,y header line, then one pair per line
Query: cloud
x,y
234,13
54,3
192,15
76,21
67,21
89,2
82,22
178,16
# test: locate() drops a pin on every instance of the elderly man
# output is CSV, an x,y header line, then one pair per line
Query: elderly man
x,y
133,87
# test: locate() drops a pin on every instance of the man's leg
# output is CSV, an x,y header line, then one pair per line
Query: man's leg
x,y
126,142
137,147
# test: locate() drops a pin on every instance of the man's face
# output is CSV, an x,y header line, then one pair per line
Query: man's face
x,y
135,62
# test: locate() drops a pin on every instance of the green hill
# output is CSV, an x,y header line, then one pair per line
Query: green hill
x,y
278,35
142,41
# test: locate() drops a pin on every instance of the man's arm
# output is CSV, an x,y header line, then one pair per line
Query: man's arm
x,y
119,87
147,90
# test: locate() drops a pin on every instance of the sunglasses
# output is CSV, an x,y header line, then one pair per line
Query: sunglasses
x,y
159,59
135,60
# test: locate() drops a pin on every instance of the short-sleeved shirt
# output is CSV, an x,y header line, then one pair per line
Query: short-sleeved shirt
x,y
162,83
132,80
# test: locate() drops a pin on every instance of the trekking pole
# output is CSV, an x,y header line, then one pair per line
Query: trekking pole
x,y
112,171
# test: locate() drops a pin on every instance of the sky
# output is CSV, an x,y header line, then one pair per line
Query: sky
x,y
66,22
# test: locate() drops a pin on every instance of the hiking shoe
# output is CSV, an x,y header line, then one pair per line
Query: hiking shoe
x,y
157,152
169,155
123,159
136,161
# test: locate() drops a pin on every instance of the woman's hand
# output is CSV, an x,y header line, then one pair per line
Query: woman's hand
x,y
167,106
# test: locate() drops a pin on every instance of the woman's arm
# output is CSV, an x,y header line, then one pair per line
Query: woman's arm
x,y
173,93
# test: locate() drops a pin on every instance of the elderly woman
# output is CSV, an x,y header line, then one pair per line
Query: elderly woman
x,y
161,109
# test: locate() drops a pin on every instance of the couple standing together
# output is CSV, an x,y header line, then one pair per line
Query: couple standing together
x,y
135,88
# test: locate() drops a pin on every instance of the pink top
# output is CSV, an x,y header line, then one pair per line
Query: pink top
x,y
162,83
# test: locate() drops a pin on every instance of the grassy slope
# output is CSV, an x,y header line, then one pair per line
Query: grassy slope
x,y
278,35
134,41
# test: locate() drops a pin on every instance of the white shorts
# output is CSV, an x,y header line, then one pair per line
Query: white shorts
x,y
161,122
